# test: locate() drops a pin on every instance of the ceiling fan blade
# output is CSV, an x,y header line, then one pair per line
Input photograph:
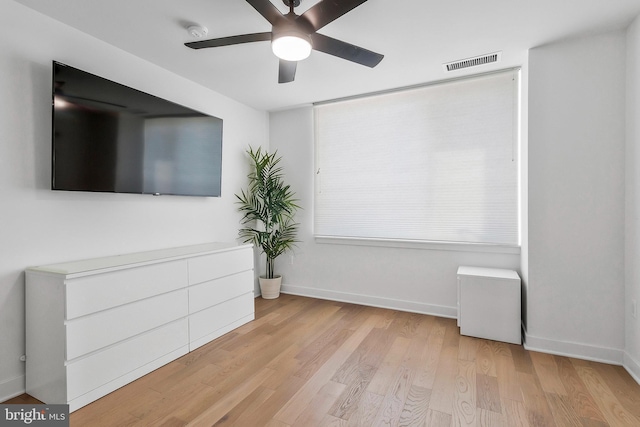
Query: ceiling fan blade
x,y
267,10
345,50
327,11
287,71
227,41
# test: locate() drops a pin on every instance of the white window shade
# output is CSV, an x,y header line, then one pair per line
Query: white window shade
x,y
436,163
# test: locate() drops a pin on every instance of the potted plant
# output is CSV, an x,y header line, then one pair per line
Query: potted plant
x,y
268,206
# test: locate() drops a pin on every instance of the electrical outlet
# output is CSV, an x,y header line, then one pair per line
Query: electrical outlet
x,y
634,309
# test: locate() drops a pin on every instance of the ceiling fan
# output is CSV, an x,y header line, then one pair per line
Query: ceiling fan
x,y
293,36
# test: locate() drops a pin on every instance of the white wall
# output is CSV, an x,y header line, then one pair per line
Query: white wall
x,y
632,218
39,226
410,279
575,298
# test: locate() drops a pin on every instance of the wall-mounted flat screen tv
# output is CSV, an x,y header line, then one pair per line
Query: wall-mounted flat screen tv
x,y
108,137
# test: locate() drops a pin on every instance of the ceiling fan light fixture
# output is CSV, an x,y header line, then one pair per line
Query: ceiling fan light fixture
x,y
291,46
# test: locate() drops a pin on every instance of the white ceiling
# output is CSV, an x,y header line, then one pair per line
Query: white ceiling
x,y
416,37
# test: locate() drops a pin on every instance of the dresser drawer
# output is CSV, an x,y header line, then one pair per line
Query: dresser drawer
x,y
216,291
209,267
91,372
99,330
98,292
213,318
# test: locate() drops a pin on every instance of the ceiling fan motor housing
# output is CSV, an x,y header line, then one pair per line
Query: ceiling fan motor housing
x,y
287,3
290,27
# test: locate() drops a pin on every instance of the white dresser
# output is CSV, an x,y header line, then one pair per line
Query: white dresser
x,y
95,325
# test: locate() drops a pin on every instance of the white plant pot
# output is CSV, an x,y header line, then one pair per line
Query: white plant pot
x,y
270,288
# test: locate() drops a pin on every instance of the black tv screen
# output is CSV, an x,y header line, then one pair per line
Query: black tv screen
x,y
108,137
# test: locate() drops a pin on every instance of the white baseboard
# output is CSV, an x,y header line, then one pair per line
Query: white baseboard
x,y
394,304
577,350
632,366
12,387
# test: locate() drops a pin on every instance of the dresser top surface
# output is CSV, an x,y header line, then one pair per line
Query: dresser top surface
x,y
142,258
497,273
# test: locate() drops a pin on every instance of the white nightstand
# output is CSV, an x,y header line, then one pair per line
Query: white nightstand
x,y
489,304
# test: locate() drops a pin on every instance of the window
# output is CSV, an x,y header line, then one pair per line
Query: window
x,y
434,163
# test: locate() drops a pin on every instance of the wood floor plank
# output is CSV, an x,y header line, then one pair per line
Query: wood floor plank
x,y
331,421
562,411
255,324
437,419
464,407
500,349
403,325
398,368
266,411
391,408
485,359
284,365
613,411
106,419
182,406
276,423
286,313
415,358
579,397
588,422
521,359
320,405
426,374
171,422
380,381
326,338
210,353
535,402
320,321
468,348
507,377
452,334
185,378
414,412
370,352
240,341
486,418
547,371
292,409
248,404
626,390
354,314
347,403
315,361
425,325
488,394
515,413
444,382
365,414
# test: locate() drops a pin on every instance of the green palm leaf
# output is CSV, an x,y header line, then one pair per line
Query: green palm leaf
x,y
268,206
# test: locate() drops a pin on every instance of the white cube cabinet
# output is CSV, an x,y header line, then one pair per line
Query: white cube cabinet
x,y
489,304
95,325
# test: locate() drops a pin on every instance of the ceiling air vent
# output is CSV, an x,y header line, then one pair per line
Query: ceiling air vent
x,y
472,62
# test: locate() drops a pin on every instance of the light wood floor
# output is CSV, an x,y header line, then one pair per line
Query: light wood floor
x,y
307,362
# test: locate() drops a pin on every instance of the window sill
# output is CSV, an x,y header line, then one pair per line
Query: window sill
x,y
420,244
